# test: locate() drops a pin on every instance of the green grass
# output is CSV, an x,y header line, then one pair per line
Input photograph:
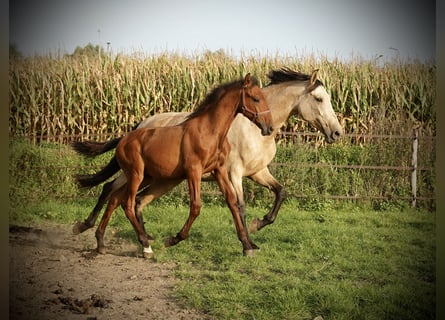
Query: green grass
x,y
352,263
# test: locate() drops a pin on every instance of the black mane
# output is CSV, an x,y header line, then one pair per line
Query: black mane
x,y
216,94
286,74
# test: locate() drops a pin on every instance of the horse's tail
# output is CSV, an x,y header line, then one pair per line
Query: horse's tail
x,y
91,180
92,148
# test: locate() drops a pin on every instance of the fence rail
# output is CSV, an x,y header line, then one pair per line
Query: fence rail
x,y
346,166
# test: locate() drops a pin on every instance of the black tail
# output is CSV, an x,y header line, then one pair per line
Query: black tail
x,y
92,148
91,180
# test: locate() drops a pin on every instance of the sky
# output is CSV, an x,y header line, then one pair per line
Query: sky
x,y
333,28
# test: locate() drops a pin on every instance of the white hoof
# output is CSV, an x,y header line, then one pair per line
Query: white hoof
x,y
148,253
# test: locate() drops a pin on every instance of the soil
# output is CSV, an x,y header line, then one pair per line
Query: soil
x,y
56,275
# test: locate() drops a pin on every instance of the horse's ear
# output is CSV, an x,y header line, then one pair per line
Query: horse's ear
x,y
247,80
313,77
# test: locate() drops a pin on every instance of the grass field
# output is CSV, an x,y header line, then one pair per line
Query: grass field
x,y
352,263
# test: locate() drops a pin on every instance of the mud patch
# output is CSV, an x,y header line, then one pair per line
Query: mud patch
x,y
83,306
56,275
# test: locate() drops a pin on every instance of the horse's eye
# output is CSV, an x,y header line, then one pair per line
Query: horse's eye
x,y
319,99
255,99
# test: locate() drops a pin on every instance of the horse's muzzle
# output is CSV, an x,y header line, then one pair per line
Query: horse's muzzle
x,y
266,130
334,136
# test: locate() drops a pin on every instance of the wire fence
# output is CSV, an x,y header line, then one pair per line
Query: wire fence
x,y
413,168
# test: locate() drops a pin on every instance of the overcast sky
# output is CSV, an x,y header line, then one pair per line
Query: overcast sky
x,y
333,28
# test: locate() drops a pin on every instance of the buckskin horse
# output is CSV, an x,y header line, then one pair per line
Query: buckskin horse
x,y
196,146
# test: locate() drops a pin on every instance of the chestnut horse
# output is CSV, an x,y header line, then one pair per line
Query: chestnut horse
x,y
185,151
288,93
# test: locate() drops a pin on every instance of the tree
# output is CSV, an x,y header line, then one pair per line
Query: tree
x,y
89,50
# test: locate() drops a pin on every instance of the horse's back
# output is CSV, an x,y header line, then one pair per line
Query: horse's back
x,y
165,119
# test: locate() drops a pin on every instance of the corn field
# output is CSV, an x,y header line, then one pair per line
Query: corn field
x,y
55,99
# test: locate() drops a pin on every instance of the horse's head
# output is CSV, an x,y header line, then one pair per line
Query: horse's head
x,y
254,106
315,107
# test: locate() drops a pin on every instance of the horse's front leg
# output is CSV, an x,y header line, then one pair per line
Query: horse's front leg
x,y
194,185
265,178
236,180
225,186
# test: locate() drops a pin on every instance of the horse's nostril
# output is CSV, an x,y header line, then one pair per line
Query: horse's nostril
x,y
266,130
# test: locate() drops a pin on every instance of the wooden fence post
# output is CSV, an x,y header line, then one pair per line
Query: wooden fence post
x,y
414,167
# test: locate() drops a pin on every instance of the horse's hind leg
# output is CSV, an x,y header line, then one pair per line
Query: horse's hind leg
x,y
265,178
89,222
100,231
155,190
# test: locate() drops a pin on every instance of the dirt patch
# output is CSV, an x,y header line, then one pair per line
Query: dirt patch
x,y
55,275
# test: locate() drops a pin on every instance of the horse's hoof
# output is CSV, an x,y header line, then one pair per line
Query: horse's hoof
x,y
253,226
248,253
170,241
147,253
101,250
77,228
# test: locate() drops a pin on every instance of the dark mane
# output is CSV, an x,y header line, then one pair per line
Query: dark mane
x,y
286,74
216,94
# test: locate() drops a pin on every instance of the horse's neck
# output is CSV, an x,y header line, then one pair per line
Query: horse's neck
x,y
282,99
220,116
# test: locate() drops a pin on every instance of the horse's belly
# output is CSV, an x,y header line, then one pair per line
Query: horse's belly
x,y
251,157
161,153
164,166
